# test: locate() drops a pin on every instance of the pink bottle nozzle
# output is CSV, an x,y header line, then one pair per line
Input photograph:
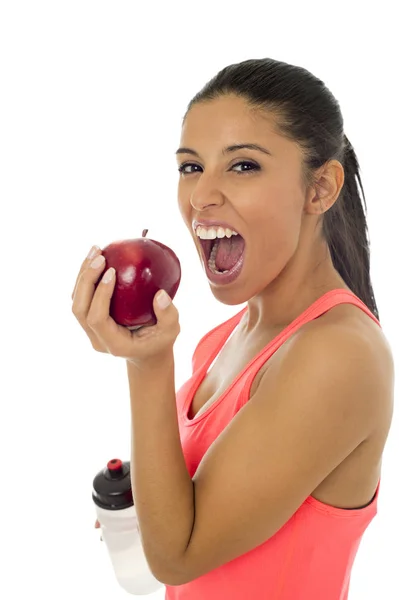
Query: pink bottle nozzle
x,y
115,468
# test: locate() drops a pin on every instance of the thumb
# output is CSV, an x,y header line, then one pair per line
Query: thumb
x,y
165,311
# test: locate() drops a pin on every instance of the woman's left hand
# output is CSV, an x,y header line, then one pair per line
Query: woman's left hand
x,y
91,308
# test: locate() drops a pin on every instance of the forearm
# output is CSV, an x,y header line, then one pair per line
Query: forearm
x,y
162,487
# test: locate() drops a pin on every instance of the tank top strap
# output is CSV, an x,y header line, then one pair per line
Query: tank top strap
x,y
324,304
315,310
211,343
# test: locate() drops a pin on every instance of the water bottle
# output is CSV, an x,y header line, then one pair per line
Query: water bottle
x,y
114,504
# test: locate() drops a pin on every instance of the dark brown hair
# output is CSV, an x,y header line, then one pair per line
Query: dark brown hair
x,y
306,112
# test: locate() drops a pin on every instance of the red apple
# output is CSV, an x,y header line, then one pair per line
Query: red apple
x,y
142,267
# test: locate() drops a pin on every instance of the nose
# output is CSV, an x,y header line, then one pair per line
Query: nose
x,y
206,194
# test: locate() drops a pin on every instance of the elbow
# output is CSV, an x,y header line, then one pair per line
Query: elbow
x,y
166,573
175,578
168,577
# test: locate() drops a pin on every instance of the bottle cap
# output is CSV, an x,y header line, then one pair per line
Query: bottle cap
x,y
112,488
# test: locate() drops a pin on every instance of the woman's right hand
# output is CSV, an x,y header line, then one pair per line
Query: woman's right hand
x,y
97,525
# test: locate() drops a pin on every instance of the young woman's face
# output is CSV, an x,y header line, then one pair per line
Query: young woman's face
x,y
260,195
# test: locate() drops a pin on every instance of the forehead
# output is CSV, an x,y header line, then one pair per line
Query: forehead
x,y
229,120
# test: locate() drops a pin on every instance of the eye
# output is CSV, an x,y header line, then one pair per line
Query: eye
x,y
252,167
183,167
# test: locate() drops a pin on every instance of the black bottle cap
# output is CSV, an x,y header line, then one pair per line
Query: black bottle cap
x,y
112,489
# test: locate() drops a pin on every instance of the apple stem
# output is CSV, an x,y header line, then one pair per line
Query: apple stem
x,y
145,231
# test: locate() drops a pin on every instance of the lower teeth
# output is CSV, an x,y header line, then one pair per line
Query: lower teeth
x,y
214,269
212,264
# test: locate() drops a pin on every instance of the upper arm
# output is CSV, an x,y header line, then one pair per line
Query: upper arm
x,y
305,418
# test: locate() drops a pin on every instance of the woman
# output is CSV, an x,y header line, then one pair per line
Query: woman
x,y
262,482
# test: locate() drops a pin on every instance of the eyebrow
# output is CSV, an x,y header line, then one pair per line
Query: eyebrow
x,y
228,149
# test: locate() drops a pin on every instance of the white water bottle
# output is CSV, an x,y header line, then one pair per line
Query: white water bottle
x,y
113,499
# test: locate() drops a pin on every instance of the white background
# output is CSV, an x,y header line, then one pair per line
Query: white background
x,y
92,97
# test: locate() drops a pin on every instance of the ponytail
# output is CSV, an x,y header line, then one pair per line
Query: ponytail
x,y
345,229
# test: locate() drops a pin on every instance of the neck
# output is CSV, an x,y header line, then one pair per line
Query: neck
x,y
302,282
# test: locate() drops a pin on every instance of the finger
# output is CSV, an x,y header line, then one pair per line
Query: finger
x,y
92,254
167,316
84,295
97,524
100,321
86,285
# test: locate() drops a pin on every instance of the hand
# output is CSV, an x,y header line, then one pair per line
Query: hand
x,y
91,308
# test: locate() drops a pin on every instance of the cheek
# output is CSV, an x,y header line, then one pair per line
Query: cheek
x,y
276,245
278,230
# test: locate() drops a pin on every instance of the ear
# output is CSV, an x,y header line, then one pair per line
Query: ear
x,y
327,187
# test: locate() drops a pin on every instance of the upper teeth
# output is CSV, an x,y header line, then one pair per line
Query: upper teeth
x,y
211,233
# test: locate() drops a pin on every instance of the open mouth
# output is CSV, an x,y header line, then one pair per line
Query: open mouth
x,y
222,254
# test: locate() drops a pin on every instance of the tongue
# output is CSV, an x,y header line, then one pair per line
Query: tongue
x,y
228,252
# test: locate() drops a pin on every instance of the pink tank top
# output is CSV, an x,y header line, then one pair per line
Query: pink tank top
x,y
311,556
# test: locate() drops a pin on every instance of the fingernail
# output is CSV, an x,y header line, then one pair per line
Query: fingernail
x,y
109,275
93,252
97,262
163,299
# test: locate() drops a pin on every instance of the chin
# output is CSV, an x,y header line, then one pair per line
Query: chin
x,y
230,297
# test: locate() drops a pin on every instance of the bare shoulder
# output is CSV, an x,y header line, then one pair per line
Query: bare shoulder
x,y
349,333
353,325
